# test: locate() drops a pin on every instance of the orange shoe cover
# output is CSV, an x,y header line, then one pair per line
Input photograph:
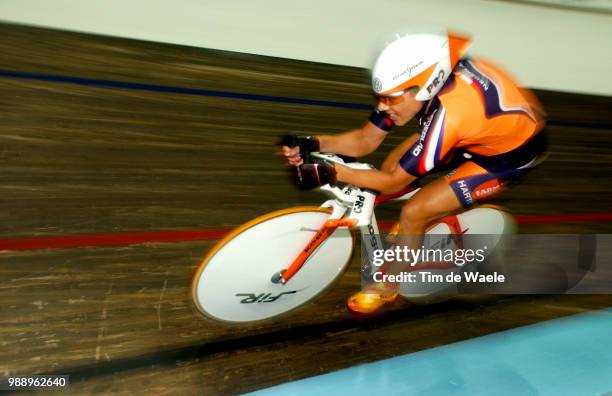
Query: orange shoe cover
x,y
371,299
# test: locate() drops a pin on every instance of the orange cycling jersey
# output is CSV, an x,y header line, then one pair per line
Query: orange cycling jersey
x,y
488,113
479,109
481,114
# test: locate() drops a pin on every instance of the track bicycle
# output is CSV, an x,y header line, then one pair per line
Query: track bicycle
x,y
280,261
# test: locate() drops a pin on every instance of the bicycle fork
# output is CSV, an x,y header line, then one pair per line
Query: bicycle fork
x,y
320,236
361,214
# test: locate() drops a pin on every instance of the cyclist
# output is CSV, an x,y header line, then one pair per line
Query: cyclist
x,y
470,113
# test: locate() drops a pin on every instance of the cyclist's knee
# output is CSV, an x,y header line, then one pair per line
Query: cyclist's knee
x,y
414,216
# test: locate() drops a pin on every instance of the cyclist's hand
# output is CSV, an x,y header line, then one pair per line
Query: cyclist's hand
x,y
296,149
291,155
314,174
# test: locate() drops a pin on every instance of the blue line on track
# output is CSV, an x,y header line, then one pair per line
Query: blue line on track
x,y
225,94
177,90
570,356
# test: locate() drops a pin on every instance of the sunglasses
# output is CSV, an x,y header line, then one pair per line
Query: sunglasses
x,y
397,98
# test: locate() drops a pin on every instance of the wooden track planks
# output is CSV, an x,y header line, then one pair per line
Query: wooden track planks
x,y
85,159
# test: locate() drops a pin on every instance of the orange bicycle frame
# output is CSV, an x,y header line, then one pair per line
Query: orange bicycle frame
x,y
322,234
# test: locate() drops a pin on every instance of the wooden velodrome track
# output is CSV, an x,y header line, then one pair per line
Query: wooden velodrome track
x,y
85,157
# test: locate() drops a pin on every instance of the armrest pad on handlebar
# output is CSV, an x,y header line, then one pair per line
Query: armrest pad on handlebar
x,y
338,159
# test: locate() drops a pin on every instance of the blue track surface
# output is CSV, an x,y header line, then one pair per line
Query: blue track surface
x,y
570,356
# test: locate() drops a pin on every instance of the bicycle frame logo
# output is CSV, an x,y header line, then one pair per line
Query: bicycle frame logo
x,y
358,206
261,298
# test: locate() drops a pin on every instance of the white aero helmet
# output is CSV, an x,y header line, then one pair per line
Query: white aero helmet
x,y
422,60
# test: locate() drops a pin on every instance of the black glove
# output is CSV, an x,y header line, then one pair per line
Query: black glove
x,y
315,174
307,144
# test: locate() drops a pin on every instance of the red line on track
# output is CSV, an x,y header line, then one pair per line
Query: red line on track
x,y
119,238
564,218
133,238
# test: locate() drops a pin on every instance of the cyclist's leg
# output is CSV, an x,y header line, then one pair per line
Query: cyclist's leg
x,y
472,183
464,186
432,202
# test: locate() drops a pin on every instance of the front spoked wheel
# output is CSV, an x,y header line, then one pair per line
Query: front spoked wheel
x,y
234,282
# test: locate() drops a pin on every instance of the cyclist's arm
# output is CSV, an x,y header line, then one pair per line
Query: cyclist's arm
x,y
385,182
409,162
392,160
355,143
